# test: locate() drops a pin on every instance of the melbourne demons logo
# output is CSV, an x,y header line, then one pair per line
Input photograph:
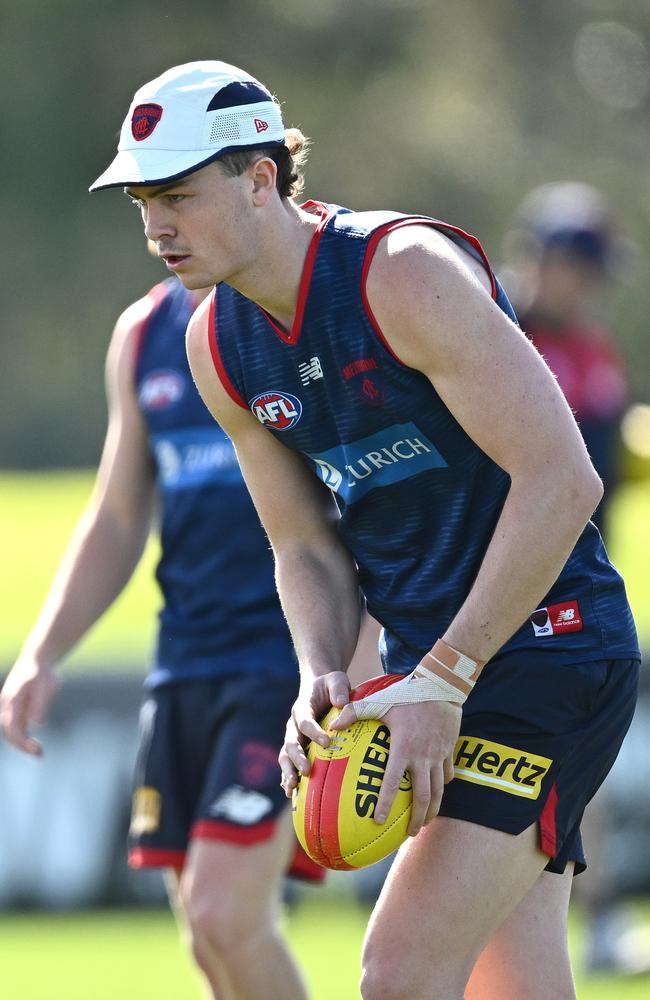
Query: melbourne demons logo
x,y
278,410
144,120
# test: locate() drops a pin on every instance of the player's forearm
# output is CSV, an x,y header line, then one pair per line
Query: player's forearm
x,y
534,536
320,598
96,566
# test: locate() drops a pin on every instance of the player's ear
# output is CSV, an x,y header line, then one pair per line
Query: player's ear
x,y
263,174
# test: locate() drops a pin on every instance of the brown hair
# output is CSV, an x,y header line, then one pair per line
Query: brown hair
x,y
289,159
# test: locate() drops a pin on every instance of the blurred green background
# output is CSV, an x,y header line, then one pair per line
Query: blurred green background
x,y
454,109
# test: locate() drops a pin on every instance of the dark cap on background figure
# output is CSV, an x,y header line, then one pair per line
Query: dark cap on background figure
x,y
188,117
573,218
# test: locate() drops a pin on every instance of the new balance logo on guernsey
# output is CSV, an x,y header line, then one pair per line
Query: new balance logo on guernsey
x,y
502,768
310,370
390,456
557,619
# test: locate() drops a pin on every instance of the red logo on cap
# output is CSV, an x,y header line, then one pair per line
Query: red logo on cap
x,y
144,120
260,126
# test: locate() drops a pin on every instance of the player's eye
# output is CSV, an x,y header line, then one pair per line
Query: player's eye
x,y
175,198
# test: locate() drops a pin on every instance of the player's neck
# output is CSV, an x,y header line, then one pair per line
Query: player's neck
x,y
197,295
274,277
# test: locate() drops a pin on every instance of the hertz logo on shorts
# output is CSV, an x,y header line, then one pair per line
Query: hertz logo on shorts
x,y
497,766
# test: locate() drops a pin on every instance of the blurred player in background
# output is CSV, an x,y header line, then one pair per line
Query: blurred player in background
x,y
377,354
565,254
207,803
568,254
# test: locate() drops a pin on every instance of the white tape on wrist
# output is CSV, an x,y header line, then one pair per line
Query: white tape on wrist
x,y
447,676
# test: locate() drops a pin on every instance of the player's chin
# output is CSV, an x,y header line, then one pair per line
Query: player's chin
x,y
191,280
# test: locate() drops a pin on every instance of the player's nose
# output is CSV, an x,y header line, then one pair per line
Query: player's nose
x,y
157,223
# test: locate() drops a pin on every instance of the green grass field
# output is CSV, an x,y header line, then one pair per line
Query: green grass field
x,y
37,512
137,955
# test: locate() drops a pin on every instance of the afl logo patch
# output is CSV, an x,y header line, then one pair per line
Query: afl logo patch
x,y
278,410
160,390
144,120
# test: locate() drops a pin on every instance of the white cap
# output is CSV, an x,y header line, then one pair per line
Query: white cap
x,y
186,118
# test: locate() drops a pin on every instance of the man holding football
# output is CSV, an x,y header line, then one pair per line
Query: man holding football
x,y
376,354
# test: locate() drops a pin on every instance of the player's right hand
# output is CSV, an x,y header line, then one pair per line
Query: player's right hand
x,y
25,701
314,700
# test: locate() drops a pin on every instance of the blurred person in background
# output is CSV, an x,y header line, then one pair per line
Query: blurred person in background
x,y
565,254
207,801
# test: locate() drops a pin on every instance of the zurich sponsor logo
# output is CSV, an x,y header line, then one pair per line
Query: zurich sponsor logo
x,y
390,456
278,410
330,476
161,389
195,456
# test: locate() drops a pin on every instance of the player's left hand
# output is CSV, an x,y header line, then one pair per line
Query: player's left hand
x,y
314,700
422,741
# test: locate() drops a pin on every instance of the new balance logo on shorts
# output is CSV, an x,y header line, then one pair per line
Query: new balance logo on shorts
x,y
557,619
500,767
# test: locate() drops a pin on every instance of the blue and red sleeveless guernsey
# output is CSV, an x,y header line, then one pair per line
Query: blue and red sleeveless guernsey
x,y
221,612
418,499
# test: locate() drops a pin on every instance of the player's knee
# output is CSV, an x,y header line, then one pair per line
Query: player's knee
x,y
384,978
383,983
394,974
219,922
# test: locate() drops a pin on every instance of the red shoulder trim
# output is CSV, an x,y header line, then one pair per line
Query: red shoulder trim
x,y
153,298
216,355
413,221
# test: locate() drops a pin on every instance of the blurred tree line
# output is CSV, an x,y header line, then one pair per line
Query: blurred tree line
x,y
451,109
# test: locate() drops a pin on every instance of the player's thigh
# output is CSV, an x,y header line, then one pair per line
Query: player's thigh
x,y
235,882
533,938
448,891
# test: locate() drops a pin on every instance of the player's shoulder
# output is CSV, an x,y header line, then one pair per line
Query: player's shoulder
x,y
138,312
412,259
132,321
198,328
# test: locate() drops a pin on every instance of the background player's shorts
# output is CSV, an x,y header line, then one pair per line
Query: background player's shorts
x,y
536,741
207,766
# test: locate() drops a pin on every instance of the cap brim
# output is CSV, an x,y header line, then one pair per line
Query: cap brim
x,y
132,168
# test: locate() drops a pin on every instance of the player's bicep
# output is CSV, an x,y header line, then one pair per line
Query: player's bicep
x,y
442,321
125,479
502,393
292,503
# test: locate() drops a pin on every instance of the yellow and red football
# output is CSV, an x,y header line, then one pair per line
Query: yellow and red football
x,y
334,805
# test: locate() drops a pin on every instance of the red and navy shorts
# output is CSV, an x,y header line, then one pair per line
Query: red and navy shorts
x,y
207,768
537,739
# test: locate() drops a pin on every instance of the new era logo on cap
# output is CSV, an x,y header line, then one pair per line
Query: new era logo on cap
x,y
188,117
